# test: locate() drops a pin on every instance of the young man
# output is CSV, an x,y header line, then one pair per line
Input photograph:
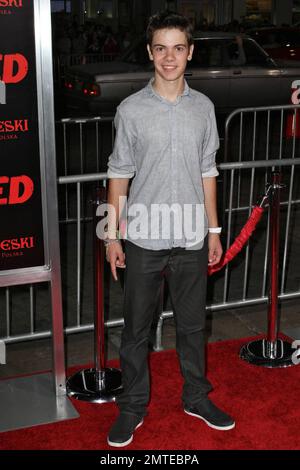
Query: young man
x,y
166,142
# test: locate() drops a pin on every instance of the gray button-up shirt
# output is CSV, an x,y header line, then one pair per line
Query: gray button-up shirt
x,y
167,148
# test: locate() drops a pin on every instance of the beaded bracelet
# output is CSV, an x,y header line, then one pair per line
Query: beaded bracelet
x,y
109,241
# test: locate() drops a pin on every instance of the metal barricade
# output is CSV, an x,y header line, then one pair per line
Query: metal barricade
x,y
244,282
82,147
261,133
83,144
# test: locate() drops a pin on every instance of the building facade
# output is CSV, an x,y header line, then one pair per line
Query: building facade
x,y
134,13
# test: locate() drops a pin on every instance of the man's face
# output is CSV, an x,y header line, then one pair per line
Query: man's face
x,y
170,51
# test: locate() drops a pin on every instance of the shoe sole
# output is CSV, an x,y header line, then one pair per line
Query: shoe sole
x,y
123,444
213,426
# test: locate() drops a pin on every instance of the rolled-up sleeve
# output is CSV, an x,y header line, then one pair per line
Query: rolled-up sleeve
x,y
121,163
210,146
213,172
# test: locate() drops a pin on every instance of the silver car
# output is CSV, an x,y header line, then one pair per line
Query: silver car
x,y
233,71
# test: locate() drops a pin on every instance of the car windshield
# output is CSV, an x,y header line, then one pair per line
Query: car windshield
x,y
225,52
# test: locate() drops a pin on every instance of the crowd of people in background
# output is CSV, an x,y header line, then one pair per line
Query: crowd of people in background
x,y
90,38
73,38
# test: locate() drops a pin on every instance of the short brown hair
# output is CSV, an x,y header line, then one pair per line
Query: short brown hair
x,y
169,20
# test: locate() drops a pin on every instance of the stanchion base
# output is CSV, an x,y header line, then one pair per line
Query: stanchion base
x,y
256,353
84,386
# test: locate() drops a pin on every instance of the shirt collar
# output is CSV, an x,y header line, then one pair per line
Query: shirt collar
x,y
152,92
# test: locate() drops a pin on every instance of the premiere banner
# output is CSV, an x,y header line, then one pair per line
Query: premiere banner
x,y
21,221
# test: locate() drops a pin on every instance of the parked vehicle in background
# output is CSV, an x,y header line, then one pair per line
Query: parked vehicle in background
x,y
233,71
279,43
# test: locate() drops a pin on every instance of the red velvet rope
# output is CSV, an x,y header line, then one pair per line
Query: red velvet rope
x,y
240,240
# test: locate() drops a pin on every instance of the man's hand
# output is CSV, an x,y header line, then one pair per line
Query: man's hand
x,y
116,257
215,249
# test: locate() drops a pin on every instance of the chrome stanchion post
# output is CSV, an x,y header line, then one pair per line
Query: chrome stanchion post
x,y
272,351
99,384
99,332
271,342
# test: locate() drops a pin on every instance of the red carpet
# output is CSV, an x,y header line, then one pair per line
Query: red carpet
x,y
264,403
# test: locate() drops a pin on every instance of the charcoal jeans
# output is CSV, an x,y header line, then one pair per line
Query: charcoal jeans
x,y
185,272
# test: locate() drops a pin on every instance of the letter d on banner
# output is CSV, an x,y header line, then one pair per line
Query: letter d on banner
x,y
2,93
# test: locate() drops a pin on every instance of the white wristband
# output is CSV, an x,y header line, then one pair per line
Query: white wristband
x,y
215,229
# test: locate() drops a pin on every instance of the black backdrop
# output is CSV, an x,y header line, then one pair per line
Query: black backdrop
x,y
21,224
